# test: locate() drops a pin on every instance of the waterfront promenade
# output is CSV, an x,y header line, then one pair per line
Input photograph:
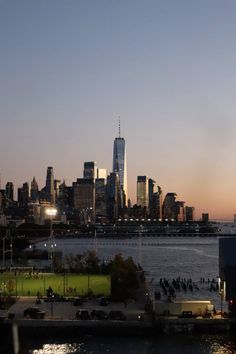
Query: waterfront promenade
x,y
61,317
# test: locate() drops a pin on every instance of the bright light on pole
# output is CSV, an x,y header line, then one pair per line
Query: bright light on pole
x,y
52,212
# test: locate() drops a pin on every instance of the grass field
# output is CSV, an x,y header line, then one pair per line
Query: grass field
x,y
23,284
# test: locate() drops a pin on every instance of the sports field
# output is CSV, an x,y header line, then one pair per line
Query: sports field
x,y
32,284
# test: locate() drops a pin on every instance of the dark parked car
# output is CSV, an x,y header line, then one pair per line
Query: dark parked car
x,y
77,302
34,312
103,301
82,315
99,315
117,315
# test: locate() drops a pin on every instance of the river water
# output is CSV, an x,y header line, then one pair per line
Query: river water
x,y
167,257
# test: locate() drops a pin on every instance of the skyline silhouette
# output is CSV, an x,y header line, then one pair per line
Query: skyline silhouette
x,y
70,69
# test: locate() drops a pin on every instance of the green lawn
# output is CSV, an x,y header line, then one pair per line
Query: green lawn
x,y
68,284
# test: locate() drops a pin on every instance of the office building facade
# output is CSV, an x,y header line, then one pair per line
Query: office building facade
x,y
113,195
84,199
142,192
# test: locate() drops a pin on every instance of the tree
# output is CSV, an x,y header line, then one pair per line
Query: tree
x,y
123,277
10,285
85,263
91,262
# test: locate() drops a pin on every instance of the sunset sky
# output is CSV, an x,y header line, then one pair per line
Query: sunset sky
x,y
70,68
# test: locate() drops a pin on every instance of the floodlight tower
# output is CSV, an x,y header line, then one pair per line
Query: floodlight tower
x,y
52,212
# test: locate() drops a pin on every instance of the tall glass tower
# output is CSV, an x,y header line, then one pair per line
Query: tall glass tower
x,y
50,193
119,166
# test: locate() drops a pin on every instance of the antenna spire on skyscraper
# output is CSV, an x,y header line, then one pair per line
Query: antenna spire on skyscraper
x,y
119,126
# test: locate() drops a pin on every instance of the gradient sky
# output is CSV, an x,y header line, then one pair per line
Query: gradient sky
x,y
166,67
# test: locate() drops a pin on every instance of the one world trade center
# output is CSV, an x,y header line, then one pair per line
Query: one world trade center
x,y
119,166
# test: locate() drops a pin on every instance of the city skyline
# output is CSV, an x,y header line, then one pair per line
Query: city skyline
x,y
70,69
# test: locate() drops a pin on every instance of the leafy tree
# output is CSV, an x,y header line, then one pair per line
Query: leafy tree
x,y
91,262
10,285
123,277
58,265
124,280
74,263
85,263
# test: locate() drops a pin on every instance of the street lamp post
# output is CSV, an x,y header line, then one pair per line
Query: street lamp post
x,y
52,298
51,212
140,245
95,242
11,250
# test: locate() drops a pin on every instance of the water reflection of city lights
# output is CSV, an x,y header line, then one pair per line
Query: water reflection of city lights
x,y
57,349
219,345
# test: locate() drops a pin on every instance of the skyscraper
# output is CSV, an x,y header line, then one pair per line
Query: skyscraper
x,y
100,197
50,194
23,195
189,213
113,196
151,191
90,170
142,191
102,173
169,206
119,166
34,191
84,199
10,191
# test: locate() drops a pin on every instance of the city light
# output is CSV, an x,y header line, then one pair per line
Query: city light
x,y
51,212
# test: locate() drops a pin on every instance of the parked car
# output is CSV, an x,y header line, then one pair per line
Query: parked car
x,y
99,315
103,301
117,315
34,312
77,301
82,315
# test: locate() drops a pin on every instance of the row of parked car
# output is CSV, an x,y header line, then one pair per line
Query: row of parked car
x,y
100,315
78,301
35,312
